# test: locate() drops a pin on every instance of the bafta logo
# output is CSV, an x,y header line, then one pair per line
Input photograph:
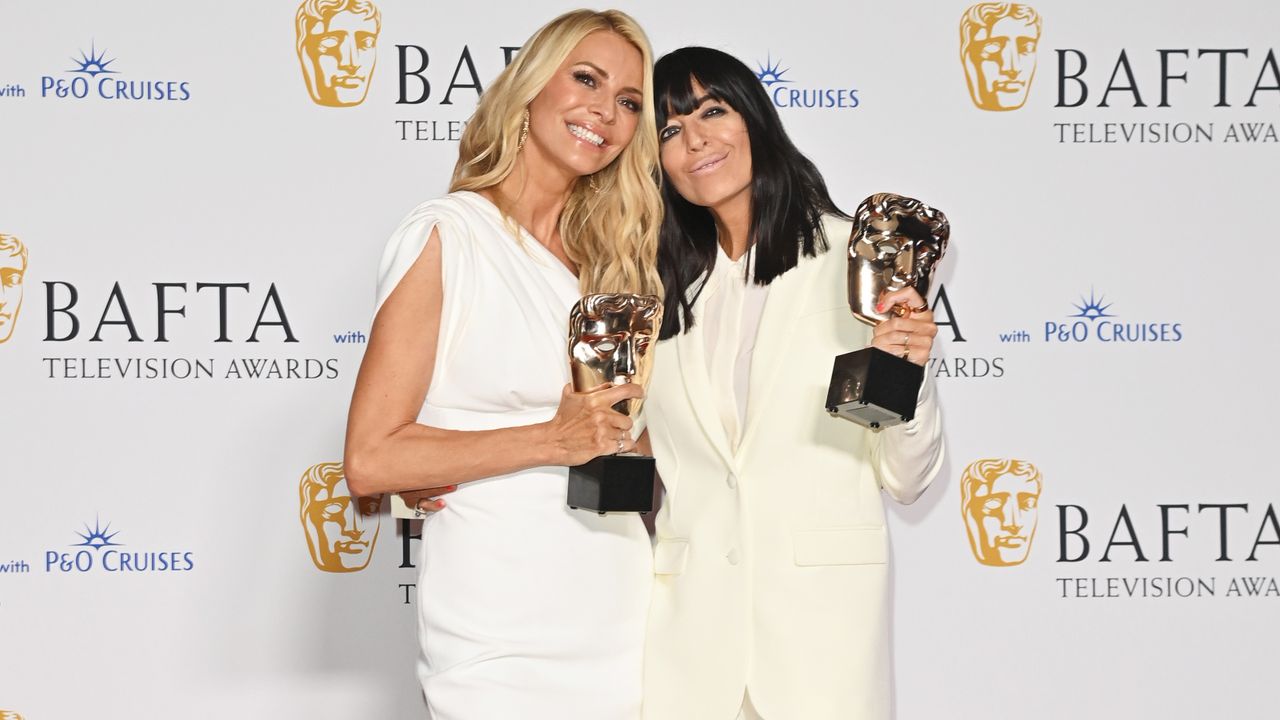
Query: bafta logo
x,y
13,266
999,500
341,530
998,50
338,47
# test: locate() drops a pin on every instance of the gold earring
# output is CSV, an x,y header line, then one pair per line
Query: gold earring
x,y
524,131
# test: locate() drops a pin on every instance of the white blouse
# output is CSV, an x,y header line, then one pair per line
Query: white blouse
x,y
732,311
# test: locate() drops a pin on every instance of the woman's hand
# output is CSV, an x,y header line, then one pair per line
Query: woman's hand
x,y
427,500
910,335
586,426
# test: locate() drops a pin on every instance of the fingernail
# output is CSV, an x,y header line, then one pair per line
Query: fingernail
x,y
879,307
451,488
439,504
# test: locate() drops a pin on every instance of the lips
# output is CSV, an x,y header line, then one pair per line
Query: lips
x,y
709,164
587,136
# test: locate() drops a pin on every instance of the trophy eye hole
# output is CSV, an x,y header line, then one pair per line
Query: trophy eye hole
x,y
606,345
886,250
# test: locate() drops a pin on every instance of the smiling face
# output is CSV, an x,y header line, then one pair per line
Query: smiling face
x,y
588,112
707,154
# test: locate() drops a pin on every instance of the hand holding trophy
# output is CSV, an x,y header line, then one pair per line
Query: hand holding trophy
x,y
896,243
609,339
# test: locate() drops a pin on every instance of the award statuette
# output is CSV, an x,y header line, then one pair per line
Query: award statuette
x,y
897,242
609,339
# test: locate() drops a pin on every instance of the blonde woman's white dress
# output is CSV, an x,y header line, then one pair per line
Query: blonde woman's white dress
x,y
527,609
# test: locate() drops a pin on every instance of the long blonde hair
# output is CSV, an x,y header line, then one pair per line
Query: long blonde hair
x,y
611,234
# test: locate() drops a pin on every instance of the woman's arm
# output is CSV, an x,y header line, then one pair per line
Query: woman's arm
x,y
907,457
388,451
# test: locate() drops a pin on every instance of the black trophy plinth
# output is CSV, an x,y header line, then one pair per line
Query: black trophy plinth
x,y
874,388
613,483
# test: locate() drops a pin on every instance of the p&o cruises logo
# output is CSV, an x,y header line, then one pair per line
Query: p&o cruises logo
x,y
788,93
337,45
13,267
100,551
97,76
1093,322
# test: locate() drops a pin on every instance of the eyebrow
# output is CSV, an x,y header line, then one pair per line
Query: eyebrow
x,y
605,74
697,103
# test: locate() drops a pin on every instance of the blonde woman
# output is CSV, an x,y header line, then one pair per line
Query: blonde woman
x,y
526,609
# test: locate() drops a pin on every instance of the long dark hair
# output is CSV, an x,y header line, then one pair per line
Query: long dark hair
x,y
788,195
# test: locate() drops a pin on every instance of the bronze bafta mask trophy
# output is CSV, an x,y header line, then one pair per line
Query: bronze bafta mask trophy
x,y
609,339
897,242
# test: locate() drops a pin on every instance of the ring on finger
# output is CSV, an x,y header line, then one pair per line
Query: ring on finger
x,y
620,441
905,352
906,339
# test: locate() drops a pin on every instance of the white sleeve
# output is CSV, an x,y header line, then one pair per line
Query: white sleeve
x,y
907,457
409,239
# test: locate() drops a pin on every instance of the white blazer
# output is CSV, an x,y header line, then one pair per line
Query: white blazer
x,y
770,562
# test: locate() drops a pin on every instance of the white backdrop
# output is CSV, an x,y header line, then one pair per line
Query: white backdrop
x,y
236,176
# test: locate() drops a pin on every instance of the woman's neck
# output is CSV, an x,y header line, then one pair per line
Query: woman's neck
x,y
534,195
733,226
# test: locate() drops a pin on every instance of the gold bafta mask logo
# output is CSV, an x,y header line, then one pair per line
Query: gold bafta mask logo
x,y
338,47
998,50
1000,502
341,530
13,267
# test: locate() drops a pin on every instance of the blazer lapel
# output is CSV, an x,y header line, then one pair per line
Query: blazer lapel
x,y
778,321
691,349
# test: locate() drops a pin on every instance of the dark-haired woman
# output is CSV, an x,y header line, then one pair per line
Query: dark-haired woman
x,y
770,598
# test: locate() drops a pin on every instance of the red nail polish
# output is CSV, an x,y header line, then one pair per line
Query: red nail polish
x,y
879,307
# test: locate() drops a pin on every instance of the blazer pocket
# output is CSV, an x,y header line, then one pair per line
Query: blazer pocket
x,y
841,546
670,556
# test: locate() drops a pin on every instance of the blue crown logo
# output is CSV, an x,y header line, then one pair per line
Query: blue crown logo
x,y
1092,308
771,73
93,64
96,537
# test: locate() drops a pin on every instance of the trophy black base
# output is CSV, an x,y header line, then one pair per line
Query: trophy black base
x,y
613,483
874,388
